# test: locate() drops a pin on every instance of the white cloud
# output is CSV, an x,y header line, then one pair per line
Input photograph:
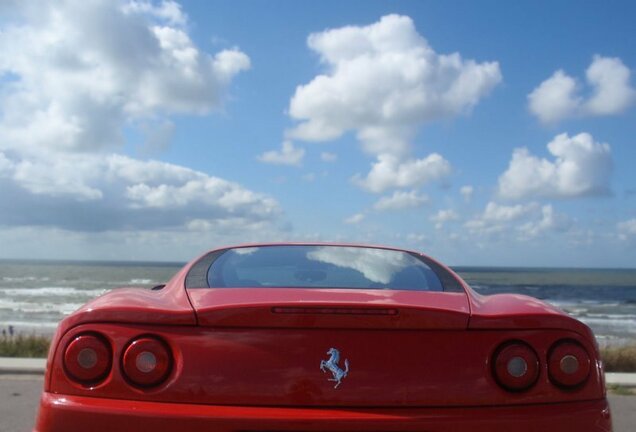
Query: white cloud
x,y
550,220
230,225
86,70
467,192
581,167
382,82
390,172
443,216
401,200
497,218
627,229
288,155
355,219
169,11
523,221
81,73
560,97
501,213
613,92
95,192
555,98
328,157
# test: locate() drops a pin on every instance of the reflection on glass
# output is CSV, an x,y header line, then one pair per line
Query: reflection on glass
x,y
377,265
321,267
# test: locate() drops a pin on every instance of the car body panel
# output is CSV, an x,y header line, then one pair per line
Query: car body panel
x,y
510,311
249,359
403,309
281,367
79,414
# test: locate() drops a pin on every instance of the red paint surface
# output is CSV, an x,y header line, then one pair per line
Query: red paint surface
x,y
427,365
280,367
80,414
247,307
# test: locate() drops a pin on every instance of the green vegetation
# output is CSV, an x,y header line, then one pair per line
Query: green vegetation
x,y
619,359
620,390
24,346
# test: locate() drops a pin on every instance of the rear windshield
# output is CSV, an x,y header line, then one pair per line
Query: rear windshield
x,y
321,267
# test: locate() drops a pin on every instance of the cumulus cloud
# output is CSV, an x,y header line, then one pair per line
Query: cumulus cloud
x,y
581,167
549,220
83,71
390,172
443,216
76,77
401,200
525,221
560,96
91,192
382,82
288,155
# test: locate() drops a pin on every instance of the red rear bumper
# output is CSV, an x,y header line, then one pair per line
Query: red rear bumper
x,y
75,413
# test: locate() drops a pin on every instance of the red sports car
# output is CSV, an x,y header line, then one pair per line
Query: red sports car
x,y
317,337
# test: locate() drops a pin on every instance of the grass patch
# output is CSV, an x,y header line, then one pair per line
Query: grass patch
x,y
620,390
619,359
24,346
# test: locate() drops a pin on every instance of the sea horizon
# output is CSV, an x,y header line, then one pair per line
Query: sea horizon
x,y
134,263
36,294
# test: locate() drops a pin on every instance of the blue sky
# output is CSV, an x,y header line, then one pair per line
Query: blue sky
x,y
482,133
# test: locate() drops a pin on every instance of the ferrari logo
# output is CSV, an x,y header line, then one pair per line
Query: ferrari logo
x,y
332,366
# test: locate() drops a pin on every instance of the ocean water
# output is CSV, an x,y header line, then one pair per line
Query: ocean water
x,y
35,296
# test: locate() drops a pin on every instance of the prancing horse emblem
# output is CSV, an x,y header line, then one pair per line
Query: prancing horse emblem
x,y
332,365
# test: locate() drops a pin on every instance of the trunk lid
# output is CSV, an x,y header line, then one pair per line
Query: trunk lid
x,y
326,347
329,308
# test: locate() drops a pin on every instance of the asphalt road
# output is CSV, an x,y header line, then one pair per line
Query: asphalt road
x,y
19,395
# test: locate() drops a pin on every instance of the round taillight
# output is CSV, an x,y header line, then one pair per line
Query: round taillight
x,y
87,358
568,364
516,366
147,362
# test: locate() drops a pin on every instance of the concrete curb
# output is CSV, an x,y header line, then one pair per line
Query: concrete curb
x,y
10,365
621,379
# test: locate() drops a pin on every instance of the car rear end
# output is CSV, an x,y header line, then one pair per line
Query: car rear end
x,y
263,359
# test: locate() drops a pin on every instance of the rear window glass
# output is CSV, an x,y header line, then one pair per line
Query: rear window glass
x,y
321,267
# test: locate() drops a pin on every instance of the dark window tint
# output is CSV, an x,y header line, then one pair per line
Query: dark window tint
x,y
321,267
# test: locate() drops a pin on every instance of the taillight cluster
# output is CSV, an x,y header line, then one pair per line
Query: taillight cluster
x,y
516,365
146,361
88,358
568,364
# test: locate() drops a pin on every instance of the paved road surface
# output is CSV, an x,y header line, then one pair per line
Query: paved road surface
x,y
19,395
